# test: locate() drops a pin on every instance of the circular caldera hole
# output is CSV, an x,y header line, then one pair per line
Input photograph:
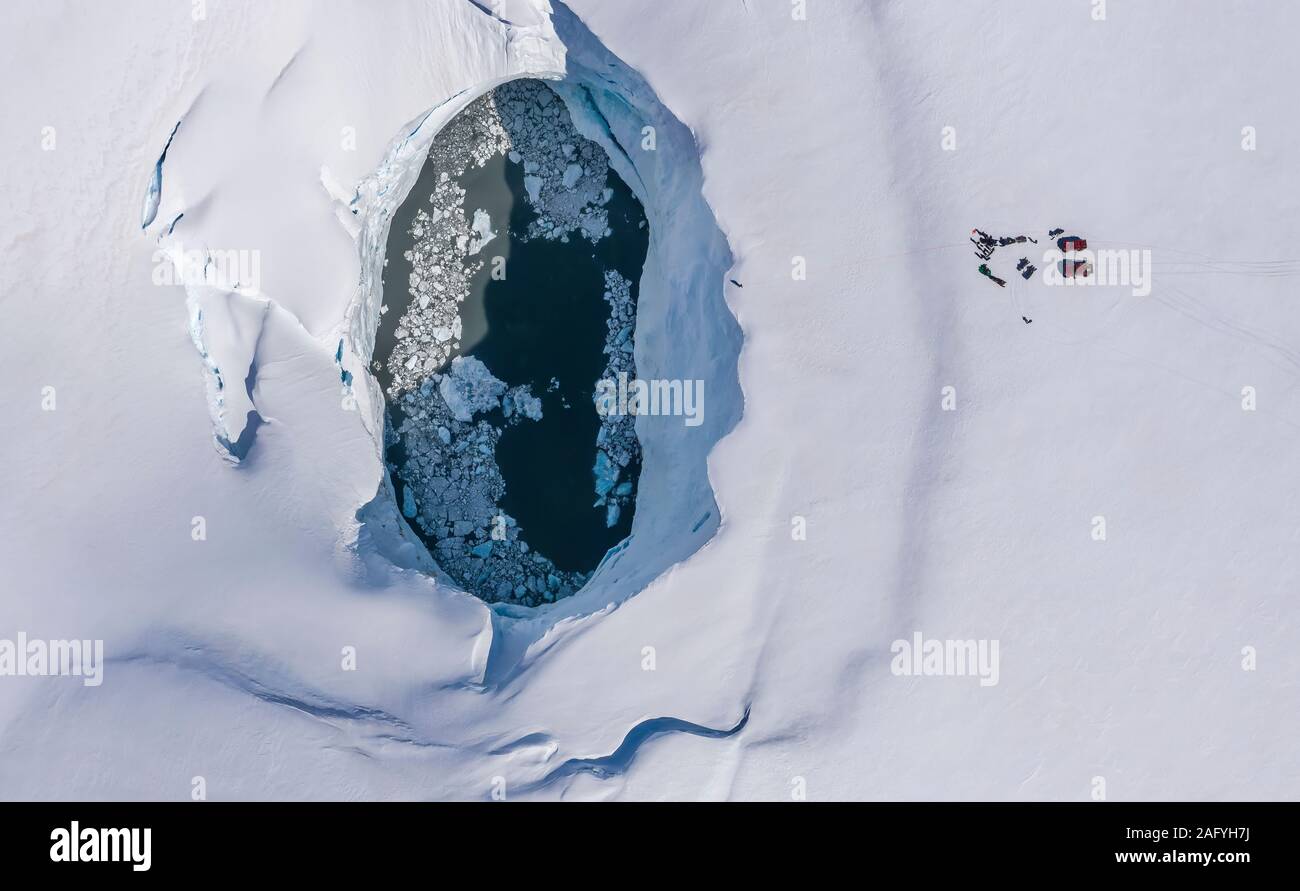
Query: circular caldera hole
x,y
508,321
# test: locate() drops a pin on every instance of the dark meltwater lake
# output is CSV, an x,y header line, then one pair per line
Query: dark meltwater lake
x,y
537,313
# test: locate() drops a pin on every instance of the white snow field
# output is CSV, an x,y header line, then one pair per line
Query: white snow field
x,y
233,581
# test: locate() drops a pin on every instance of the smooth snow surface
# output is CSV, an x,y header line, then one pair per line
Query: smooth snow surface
x,y
778,143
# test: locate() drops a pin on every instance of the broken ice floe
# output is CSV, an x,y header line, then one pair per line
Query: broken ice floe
x,y
564,173
617,440
521,401
469,388
482,229
451,485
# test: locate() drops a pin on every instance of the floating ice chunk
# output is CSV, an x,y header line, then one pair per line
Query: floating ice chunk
x,y
521,401
533,185
469,387
606,472
408,503
611,514
530,407
482,231
572,174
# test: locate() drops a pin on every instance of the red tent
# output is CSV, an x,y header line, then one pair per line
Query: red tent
x,y
1071,268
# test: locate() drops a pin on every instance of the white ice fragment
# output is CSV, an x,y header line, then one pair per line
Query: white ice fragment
x,y
469,387
529,406
606,473
521,401
482,230
533,185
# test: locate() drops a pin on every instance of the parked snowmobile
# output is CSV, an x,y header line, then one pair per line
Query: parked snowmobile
x,y
988,273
